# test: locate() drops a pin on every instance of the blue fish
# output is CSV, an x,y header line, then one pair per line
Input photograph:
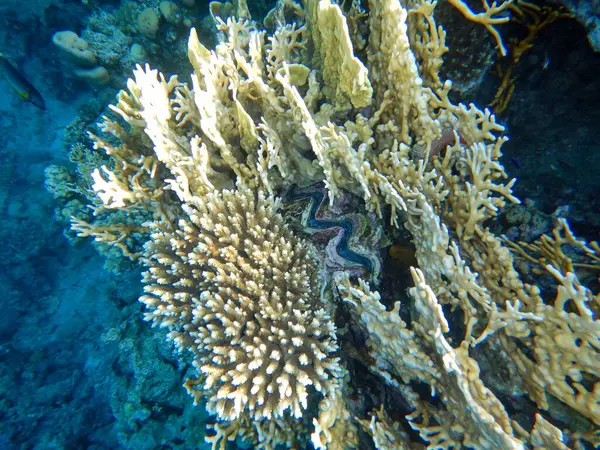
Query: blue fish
x,y
20,85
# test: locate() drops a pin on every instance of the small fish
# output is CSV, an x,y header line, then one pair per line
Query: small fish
x,y
565,164
561,165
546,62
21,86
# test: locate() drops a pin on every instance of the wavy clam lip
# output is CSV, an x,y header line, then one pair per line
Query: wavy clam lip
x,y
344,252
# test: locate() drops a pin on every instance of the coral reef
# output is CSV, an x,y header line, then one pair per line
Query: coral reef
x,y
76,52
113,39
344,96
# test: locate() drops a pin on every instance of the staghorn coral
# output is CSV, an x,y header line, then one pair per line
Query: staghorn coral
x,y
386,434
239,291
489,18
426,355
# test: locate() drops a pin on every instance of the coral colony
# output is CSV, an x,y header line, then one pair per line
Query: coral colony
x,y
326,106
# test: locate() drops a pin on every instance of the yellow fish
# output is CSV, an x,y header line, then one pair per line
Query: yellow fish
x,y
18,82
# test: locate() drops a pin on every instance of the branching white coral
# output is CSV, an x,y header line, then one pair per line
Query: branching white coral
x,y
241,292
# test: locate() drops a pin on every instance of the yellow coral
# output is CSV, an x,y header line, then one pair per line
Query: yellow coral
x,y
344,75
